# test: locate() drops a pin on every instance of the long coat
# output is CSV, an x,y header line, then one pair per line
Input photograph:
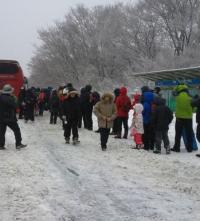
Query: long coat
x,y
105,109
137,122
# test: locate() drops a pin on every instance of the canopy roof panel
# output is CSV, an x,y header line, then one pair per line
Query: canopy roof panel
x,y
174,74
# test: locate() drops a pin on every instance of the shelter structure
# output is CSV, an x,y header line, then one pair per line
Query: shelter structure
x,y
168,79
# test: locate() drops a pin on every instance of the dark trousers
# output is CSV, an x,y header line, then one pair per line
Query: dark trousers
x,y
41,108
82,118
180,125
162,136
88,119
123,121
71,126
148,137
198,132
29,113
104,135
115,126
53,117
21,112
15,128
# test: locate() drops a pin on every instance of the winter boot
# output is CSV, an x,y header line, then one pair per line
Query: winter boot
x,y
20,146
103,147
157,151
136,147
168,151
67,140
125,135
76,141
197,155
2,148
176,150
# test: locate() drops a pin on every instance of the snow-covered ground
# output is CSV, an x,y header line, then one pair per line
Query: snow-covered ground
x,y
52,181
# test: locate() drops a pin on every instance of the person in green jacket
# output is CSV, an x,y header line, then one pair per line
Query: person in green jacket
x,y
184,114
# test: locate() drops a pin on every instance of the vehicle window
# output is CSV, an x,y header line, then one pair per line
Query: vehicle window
x,y
8,68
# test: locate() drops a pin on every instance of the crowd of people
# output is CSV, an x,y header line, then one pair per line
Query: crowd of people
x,y
150,121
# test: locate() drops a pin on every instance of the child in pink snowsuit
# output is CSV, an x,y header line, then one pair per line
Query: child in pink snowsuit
x,y
137,129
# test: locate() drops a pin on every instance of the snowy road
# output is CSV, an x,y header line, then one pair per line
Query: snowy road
x,y
51,181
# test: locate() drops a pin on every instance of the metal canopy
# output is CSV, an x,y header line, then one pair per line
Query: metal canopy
x,y
174,74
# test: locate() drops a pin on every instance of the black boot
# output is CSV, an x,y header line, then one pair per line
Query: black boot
x,y
125,135
20,146
104,147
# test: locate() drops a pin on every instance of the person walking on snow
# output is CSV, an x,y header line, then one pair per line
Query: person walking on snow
x,y
123,104
105,110
71,112
8,106
184,115
161,118
30,101
137,129
88,107
54,105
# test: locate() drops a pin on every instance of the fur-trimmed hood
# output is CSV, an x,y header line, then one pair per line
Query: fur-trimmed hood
x,y
111,96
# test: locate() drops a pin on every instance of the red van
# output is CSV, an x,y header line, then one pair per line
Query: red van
x,y
11,73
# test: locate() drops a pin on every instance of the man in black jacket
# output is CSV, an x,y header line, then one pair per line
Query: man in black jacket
x,y
161,118
71,112
8,105
30,101
88,107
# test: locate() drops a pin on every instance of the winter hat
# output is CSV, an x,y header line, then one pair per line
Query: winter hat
x,y
69,85
145,89
7,89
88,88
72,91
157,90
117,92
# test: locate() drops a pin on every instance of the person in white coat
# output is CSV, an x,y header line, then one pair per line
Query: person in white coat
x,y
137,129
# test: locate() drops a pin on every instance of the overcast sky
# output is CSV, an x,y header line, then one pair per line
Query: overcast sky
x,y
20,20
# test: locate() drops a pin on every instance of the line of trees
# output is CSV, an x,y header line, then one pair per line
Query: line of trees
x,y
105,45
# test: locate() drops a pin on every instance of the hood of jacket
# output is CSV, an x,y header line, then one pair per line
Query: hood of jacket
x,y
123,91
148,97
109,95
145,89
138,108
181,87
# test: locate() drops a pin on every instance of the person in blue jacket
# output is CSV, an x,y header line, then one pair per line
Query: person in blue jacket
x,y
147,101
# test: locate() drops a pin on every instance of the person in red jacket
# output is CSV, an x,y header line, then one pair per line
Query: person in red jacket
x,y
123,104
